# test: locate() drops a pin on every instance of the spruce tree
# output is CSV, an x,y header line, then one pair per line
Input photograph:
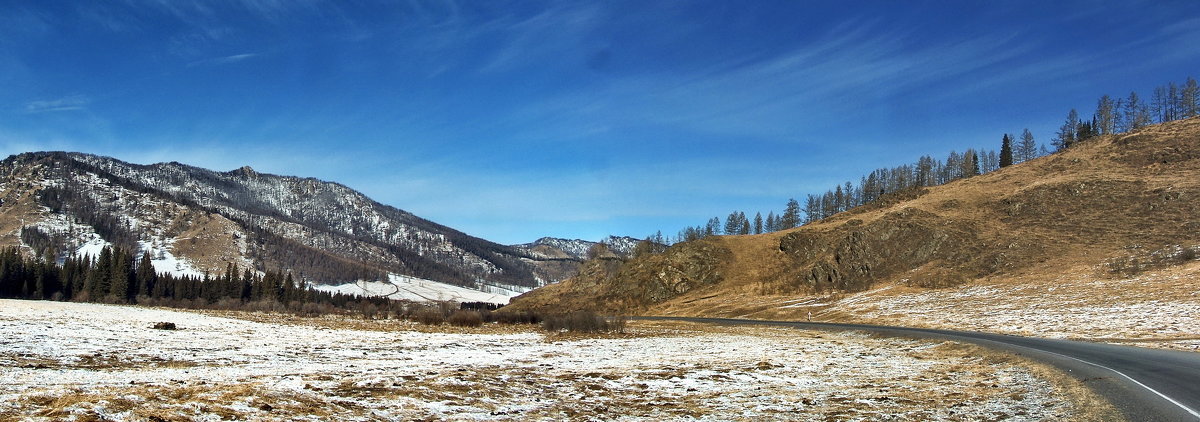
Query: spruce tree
x,y
758,223
146,277
791,215
1006,151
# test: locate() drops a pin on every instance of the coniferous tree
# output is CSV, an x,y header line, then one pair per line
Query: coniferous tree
x,y
1190,99
791,215
1067,133
1137,114
146,276
1027,149
732,224
812,209
758,223
1173,103
1159,104
1106,116
1006,151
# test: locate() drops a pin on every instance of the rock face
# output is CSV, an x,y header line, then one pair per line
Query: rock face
x,y
1087,206
902,241
205,220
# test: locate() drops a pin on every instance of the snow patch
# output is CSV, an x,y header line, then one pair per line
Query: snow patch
x,y
404,287
165,262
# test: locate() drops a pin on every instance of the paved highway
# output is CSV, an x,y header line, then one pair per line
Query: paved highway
x,y
1144,384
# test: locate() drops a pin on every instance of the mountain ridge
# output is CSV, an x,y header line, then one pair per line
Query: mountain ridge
x,y
324,230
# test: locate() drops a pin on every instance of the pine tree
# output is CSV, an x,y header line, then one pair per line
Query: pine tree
x,y
758,223
772,223
1006,151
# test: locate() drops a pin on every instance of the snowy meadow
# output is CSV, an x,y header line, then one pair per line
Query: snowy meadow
x,y
73,361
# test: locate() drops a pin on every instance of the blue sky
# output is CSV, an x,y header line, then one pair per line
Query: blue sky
x,y
512,121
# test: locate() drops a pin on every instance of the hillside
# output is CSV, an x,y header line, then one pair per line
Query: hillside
x,y
1101,212
194,220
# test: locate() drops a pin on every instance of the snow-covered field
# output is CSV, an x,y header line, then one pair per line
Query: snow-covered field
x,y
83,361
1156,309
421,290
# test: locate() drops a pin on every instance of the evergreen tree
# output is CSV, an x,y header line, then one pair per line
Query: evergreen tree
x,y
772,224
98,281
758,223
791,215
1006,151
146,276
732,224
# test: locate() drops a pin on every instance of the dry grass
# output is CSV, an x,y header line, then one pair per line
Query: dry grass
x,y
1042,235
208,241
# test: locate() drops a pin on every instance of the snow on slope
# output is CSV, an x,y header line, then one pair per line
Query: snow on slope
x,y
421,290
166,262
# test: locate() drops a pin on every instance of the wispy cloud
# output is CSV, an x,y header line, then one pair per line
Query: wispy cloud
x,y
825,82
74,102
216,61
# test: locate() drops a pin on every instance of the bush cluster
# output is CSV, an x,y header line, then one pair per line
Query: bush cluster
x,y
584,322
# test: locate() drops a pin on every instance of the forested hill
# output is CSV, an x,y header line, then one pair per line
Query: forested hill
x,y
195,220
1103,204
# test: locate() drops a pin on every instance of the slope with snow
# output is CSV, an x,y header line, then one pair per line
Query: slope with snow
x,y
244,217
421,290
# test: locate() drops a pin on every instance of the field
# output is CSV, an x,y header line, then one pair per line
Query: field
x,y
101,362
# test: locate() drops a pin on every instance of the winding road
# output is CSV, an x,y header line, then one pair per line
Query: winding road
x,y
1144,384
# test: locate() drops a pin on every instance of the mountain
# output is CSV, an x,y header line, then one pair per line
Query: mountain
x,y
576,249
558,259
194,220
1091,212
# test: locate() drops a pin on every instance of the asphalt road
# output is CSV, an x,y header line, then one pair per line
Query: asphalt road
x,y
1144,384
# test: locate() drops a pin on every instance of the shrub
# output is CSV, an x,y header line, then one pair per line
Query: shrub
x,y
515,317
583,322
429,316
465,318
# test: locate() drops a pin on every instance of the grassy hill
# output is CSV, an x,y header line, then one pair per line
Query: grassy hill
x,y
1110,208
